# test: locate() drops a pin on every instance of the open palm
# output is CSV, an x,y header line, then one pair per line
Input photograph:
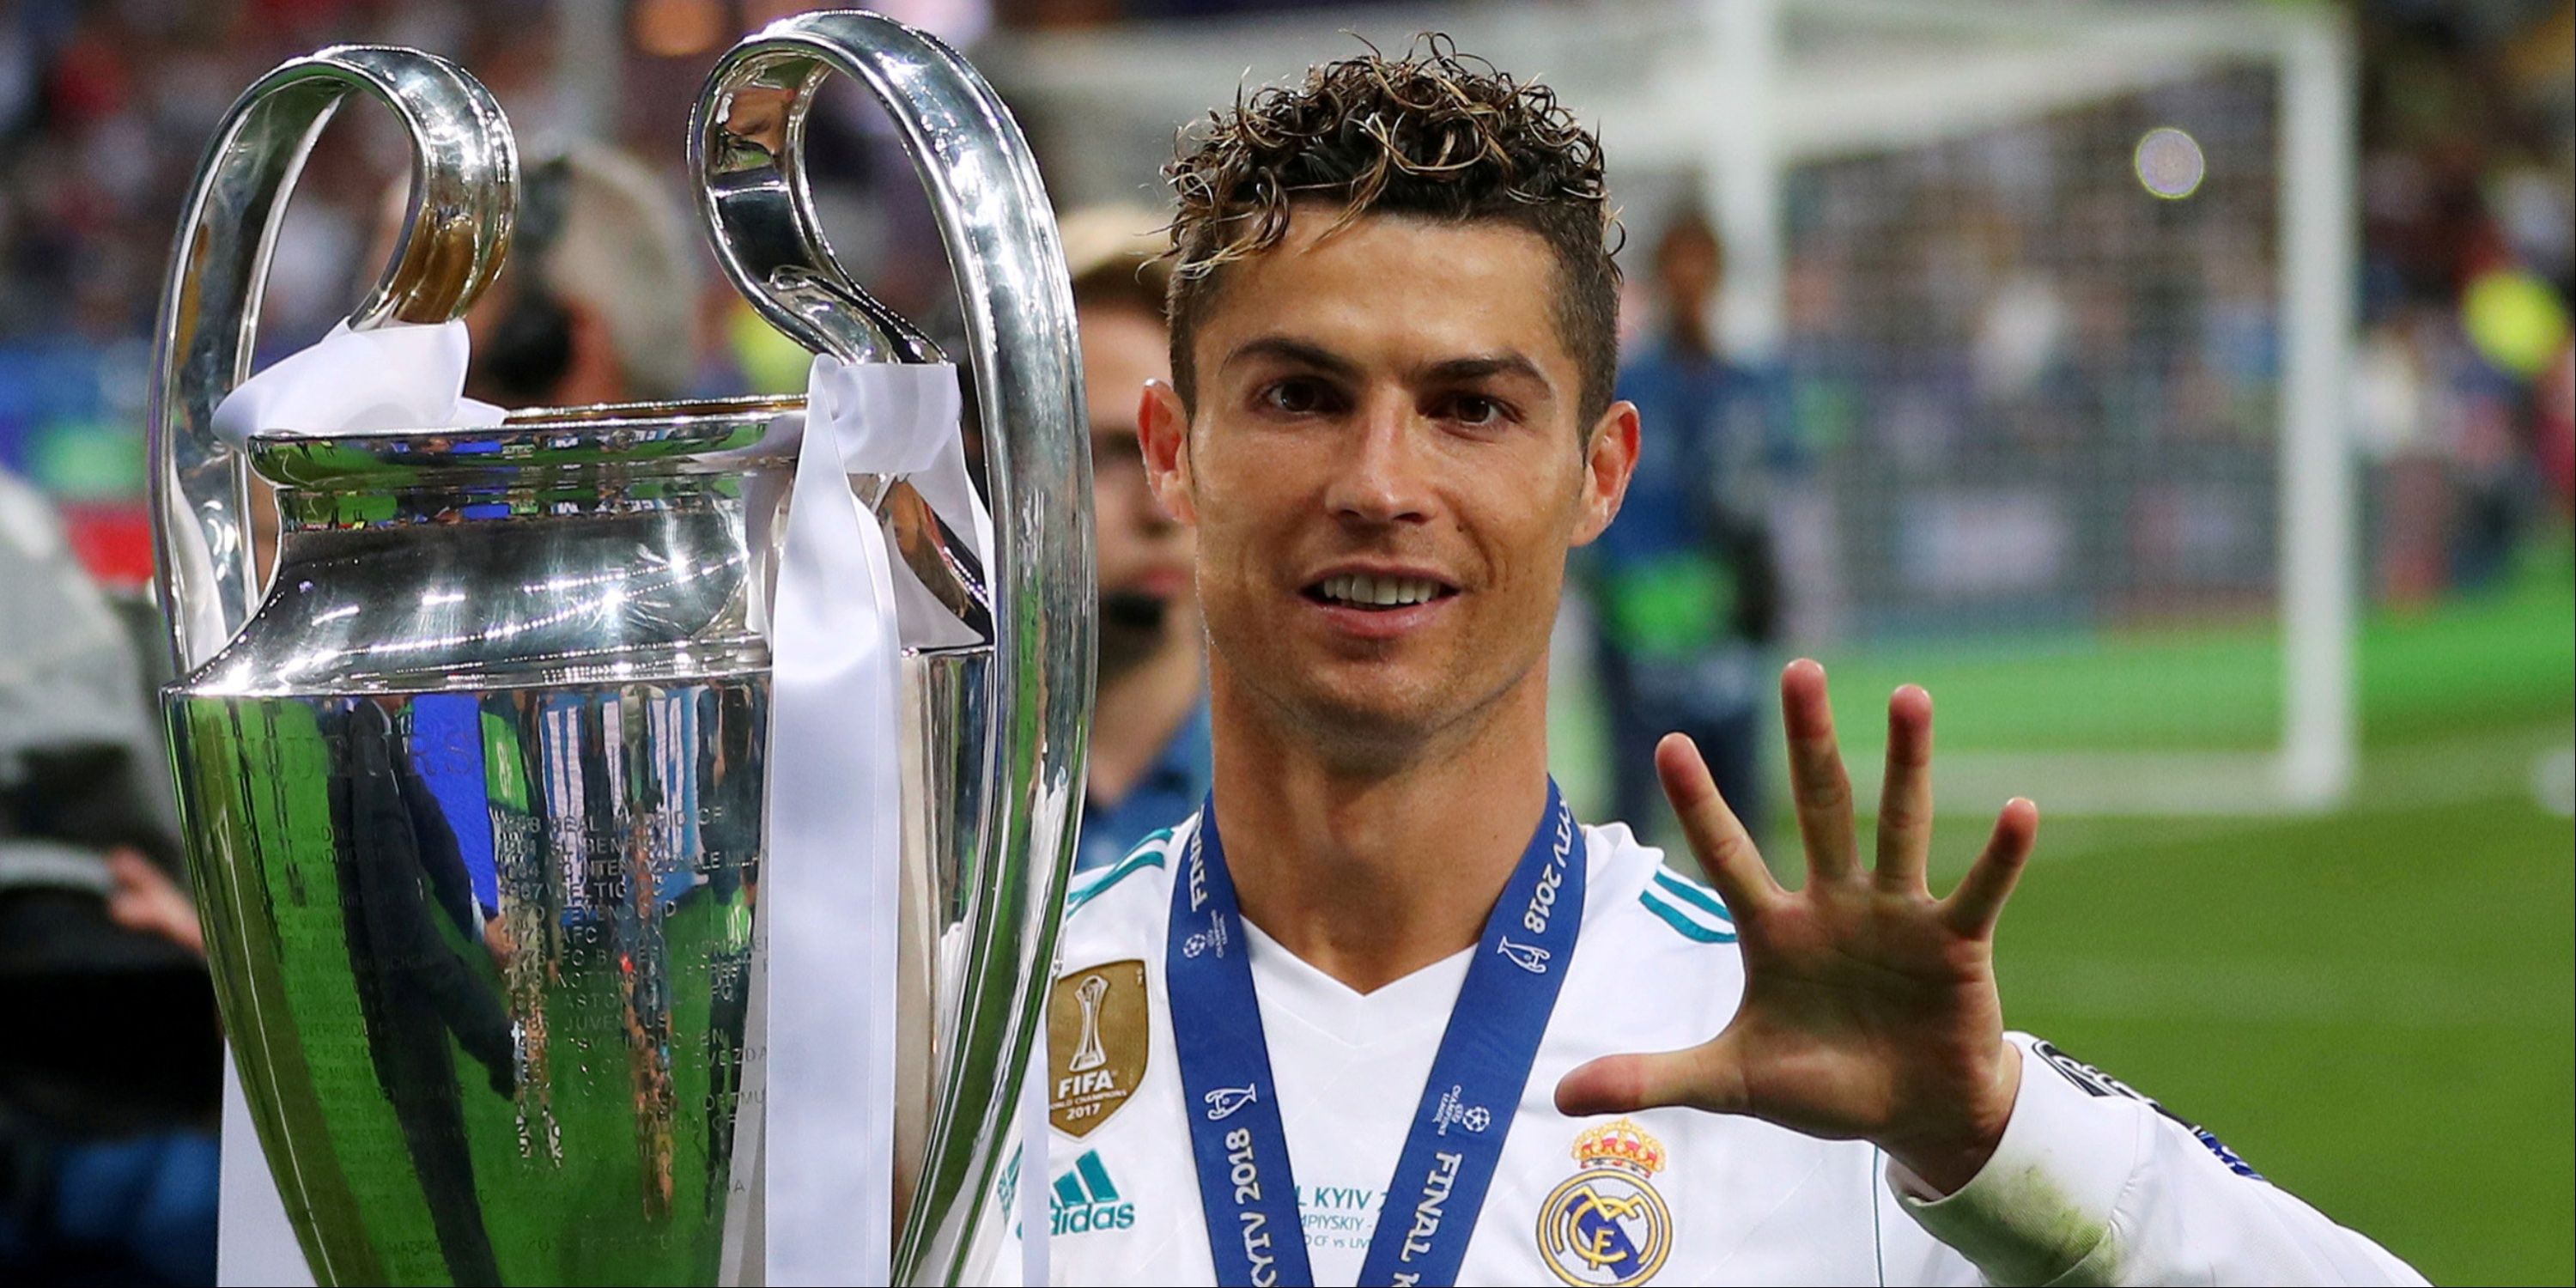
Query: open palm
x,y
1869,1006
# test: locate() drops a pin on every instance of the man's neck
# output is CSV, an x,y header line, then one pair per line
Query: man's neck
x,y
1371,874
1139,707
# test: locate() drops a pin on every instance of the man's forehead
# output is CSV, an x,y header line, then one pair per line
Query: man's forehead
x,y
1394,287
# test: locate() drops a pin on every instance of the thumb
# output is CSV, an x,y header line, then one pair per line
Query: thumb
x,y
1705,1077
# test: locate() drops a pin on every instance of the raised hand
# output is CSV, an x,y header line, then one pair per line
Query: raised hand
x,y
1869,1006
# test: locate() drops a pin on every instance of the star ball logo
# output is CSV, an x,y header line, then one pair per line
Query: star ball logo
x,y
1607,1225
1454,1111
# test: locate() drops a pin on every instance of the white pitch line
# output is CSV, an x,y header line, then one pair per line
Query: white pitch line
x,y
2291,992
2553,781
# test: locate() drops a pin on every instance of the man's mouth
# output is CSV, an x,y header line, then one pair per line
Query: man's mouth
x,y
1377,593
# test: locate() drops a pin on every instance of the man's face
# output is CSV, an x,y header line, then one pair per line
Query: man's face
x,y
1385,466
1144,555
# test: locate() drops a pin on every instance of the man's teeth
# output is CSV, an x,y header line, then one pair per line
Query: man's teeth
x,y
1354,588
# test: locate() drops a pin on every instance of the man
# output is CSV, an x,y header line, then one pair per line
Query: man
x,y
1683,583
597,303
1361,1018
108,1072
1149,736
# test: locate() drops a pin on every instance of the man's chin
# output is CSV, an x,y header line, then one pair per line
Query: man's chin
x,y
1382,714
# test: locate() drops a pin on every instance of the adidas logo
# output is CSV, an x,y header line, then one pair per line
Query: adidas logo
x,y
1085,1199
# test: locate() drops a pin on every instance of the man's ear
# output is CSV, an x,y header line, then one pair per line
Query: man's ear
x,y
1609,460
1163,431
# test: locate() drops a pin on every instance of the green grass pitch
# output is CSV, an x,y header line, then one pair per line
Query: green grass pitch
x,y
2375,1006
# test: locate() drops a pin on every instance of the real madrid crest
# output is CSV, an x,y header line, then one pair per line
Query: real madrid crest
x,y
1607,1225
1097,1036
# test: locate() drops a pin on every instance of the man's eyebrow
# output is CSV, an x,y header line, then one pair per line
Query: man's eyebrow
x,y
1509,362
1297,351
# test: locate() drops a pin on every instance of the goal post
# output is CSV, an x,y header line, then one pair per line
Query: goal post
x,y
2073,448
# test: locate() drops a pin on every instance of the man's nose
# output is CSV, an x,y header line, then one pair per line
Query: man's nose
x,y
1381,477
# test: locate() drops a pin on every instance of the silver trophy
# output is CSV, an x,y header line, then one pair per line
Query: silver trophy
x,y
475,790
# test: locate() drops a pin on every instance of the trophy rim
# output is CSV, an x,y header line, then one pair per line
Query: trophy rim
x,y
700,436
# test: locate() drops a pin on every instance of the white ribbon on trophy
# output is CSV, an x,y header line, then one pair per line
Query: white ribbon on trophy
x,y
398,376
835,795
843,609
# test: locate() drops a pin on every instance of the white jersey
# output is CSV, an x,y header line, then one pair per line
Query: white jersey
x,y
2091,1183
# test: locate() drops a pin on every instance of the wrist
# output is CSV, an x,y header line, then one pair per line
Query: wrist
x,y
1948,1158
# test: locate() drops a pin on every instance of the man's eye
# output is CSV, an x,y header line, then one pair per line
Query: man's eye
x,y
1476,411
1297,397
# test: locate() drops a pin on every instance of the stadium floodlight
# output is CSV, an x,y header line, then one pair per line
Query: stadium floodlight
x,y
2064,294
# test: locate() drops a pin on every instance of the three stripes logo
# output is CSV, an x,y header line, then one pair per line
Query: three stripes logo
x,y
1085,1199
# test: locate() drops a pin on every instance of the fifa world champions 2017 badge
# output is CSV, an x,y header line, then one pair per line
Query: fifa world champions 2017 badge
x,y
1607,1225
1098,1042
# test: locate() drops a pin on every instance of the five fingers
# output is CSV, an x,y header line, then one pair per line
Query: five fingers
x,y
1822,792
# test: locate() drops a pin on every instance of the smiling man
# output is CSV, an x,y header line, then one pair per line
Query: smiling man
x,y
1362,1018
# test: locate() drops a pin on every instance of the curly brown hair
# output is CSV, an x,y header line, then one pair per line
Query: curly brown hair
x,y
1431,135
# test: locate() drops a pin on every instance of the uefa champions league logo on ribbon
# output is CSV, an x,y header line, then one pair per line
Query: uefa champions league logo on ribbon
x,y
1213,937
1454,1111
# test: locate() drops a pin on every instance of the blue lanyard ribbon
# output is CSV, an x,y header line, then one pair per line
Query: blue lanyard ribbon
x,y
1246,1183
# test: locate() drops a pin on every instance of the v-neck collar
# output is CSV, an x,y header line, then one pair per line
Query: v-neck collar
x,y
1418,1001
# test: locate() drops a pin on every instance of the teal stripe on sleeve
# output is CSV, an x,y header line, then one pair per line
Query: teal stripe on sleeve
x,y
1142,857
1692,893
1677,919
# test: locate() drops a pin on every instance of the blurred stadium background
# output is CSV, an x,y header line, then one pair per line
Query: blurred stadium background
x,y
2182,392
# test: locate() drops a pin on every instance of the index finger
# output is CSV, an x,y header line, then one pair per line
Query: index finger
x,y
1726,851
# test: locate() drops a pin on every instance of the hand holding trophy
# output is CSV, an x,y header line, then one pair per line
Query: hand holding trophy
x,y
512,805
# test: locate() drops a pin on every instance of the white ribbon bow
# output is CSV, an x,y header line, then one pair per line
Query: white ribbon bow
x,y
398,376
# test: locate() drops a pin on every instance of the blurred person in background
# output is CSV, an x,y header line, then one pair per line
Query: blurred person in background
x,y
2468,213
1685,584
1149,736
599,301
108,1076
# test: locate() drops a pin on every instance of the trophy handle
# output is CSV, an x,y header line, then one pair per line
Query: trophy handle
x,y
454,237
746,146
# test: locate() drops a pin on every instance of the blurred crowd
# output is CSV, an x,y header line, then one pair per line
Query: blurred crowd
x,y
2466,391
1983,333
2466,181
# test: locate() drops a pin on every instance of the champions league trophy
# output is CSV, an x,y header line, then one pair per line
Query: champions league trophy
x,y
478,797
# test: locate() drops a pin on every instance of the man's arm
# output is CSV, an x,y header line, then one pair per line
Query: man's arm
x,y
1870,1013
2093,1183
